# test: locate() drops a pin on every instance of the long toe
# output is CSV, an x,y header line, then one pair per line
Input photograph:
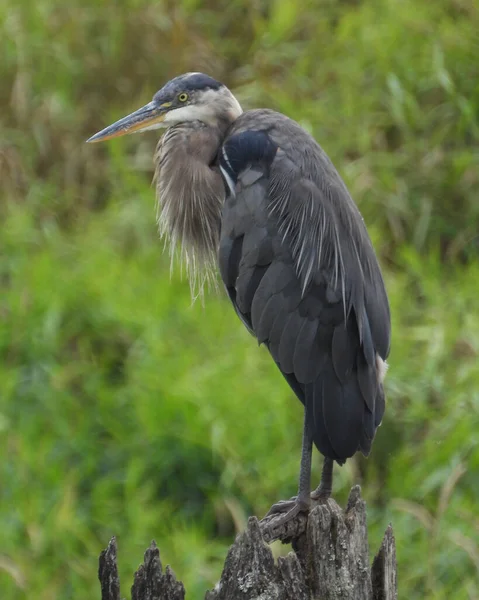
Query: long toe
x,y
280,514
283,506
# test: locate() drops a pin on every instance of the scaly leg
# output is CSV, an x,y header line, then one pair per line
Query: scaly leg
x,y
301,502
325,487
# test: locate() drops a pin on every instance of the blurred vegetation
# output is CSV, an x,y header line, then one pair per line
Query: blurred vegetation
x,y
125,409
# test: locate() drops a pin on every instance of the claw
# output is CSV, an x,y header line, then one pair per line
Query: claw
x,y
286,511
281,507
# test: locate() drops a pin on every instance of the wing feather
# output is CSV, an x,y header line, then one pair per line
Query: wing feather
x,y
300,269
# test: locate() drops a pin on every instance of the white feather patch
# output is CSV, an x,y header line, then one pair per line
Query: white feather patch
x,y
382,367
229,181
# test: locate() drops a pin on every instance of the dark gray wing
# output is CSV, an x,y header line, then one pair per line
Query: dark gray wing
x,y
302,275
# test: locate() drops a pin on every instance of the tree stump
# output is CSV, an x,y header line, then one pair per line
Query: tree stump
x,y
329,561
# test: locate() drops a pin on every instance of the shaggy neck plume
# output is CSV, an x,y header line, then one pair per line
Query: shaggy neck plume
x,y
189,187
190,194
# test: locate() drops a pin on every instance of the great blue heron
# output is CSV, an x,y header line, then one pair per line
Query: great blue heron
x,y
255,192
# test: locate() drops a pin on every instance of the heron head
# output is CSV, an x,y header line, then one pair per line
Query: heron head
x,y
187,98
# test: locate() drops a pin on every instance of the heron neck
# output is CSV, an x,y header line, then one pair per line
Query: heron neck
x,y
190,194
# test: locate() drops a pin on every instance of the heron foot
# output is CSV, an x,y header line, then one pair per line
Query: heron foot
x,y
281,507
284,511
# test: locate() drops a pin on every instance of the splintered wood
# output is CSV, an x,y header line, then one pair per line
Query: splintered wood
x,y
329,561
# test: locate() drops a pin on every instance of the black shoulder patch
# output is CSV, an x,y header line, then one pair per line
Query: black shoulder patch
x,y
250,148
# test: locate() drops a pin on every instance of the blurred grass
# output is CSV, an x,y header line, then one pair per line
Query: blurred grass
x,y
126,410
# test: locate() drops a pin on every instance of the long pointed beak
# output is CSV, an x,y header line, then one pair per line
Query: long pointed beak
x,y
146,117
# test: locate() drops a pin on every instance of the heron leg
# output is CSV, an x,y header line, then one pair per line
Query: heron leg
x,y
301,502
325,486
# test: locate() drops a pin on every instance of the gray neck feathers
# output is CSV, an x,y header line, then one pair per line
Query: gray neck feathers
x,y
190,194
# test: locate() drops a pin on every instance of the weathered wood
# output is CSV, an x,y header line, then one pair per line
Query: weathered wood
x,y
108,573
329,561
250,571
338,551
150,583
384,571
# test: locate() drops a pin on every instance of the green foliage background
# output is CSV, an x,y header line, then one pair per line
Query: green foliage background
x,y
125,409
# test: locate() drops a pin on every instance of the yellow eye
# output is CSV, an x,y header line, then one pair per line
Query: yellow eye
x,y
183,97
